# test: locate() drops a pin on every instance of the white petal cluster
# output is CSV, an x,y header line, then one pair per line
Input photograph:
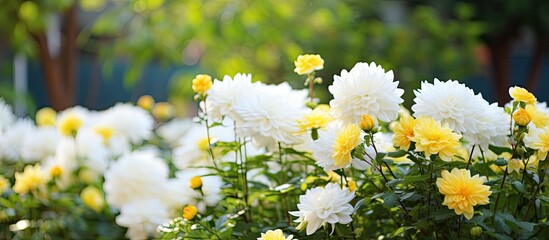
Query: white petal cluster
x,y
269,115
330,204
142,217
174,130
455,104
224,94
11,141
41,145
365,89
6,115
131,122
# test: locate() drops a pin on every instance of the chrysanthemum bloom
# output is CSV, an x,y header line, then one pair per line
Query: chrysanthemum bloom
x,y
539,117
46,117
433,138
225,94
69,124
163,111
367,122
521,117
538,139
324,205
274,235
4,184
462,192
31,178
308,63
146,102
366,89
202,83
93,198
404,132
189,212
522,95
316,119
345,142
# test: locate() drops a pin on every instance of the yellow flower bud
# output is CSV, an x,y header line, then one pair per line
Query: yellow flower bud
x,y
196,182
189,212
202,83
352,185
56,171
93,198
69,125
522,117
476,231
146,102
367,122
46,117
522,95
163,111
308,63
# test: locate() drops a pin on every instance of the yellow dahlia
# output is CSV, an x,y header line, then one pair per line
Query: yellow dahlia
x,y
316,119
202,83
274,235
345,142
46,117
522,95
433,138
307,63
404,132
538,139
31,178
539,118
462,192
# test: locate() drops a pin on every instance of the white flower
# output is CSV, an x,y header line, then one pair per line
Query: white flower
x,y
493,127
12,140
6,115
131,122
85,150
174,130
40,145
324,205
142,217
366,89
450,103
224,94
136,175
269,115
324,145
181,190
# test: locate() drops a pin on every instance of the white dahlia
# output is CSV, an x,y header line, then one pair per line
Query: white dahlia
x,y
41,145
86,150
330,204
136,175
366,89
324,148
174,130
6,115
269,115
450,103
129,121
142,217
493,127
224,94
12,140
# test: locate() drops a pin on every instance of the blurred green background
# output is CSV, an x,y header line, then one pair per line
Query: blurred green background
x,y
97,52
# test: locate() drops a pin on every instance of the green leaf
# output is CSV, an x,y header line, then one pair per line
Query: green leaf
x,y
397,154
501,226
359,204
499,150
519,186
492,182
501,162
390,199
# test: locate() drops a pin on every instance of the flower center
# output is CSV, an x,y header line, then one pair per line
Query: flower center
x,y
465,192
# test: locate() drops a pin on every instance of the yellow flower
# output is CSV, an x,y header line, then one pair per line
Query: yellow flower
x,y
4,184
46,117
404,132
56,171
189,212
196,182
352,185
521,117
432,138
105,132
274,235
462,192
202,83
146,102
538,139
307,63
515,165
345,142
69,125
367,122
539,118
203,144
93,198
316,119
31,178
163,111
522,95
88,176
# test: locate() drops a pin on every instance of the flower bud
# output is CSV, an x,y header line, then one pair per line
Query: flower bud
x,y
93,198
56,171
146,102
196,182
367,122
202,83
163,111
46,117
69,125
476,231
308,63
352,185
522,117
189,212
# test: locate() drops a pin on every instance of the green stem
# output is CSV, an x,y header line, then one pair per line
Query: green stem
x,y
499,193
209,230
470,157
533,200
